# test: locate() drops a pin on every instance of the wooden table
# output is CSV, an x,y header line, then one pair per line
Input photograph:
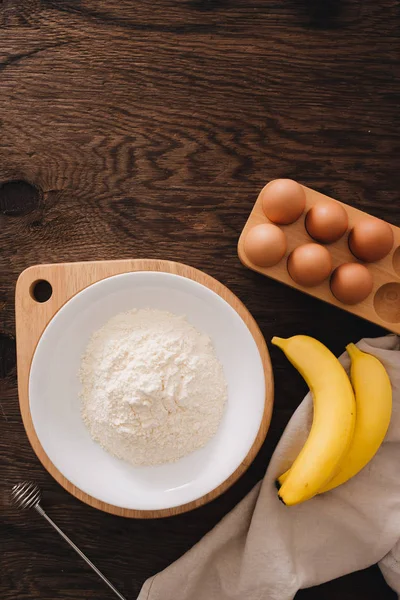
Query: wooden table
x,y
146,129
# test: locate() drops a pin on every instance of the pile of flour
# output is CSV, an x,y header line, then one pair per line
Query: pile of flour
x,y
153,389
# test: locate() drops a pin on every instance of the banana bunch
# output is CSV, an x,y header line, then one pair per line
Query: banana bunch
x,y
350,420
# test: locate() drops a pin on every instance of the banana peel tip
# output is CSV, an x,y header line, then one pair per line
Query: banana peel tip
x,y
282,500
277,341
352,350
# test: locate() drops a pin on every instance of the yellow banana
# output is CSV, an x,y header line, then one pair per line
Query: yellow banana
x,y
373,393
282,478
333,421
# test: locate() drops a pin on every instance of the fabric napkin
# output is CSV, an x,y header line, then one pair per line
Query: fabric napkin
x,y
264,550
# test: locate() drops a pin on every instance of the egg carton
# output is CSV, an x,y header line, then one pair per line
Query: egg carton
x,y
381,306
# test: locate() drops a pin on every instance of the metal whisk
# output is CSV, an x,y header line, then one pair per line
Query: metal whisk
x,y
27,495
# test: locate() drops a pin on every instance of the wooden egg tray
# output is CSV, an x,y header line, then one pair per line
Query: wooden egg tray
x,y
382,306
66,281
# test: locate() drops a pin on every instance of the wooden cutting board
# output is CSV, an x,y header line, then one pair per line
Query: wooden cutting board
x,y
66,280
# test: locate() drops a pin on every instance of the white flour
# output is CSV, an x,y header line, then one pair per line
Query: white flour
x,y
153,389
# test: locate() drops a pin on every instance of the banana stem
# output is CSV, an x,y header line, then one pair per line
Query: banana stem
x,y
352,350
277,341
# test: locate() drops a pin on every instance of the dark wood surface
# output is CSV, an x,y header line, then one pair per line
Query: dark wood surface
x,y
146,129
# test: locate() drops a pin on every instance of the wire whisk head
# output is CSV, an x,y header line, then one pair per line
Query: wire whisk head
x,y
25,494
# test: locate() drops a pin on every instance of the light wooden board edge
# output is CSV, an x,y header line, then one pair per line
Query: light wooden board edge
x,y
67,279
383,271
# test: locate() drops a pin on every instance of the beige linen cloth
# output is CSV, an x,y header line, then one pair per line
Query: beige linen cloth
x,y
264,550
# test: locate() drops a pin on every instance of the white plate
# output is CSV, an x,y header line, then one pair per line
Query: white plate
x,y
54,393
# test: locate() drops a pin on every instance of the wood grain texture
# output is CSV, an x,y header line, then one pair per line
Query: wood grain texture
x,y
381,307
68,279
148,128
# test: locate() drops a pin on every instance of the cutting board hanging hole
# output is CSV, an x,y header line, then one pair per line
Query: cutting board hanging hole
x,y
41,290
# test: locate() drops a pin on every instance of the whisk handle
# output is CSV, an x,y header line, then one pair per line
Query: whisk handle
x,y
42,513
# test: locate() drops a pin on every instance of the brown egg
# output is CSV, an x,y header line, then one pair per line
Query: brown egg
x,y
327,221
310,264
265,245
371,239
351,283
283,201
